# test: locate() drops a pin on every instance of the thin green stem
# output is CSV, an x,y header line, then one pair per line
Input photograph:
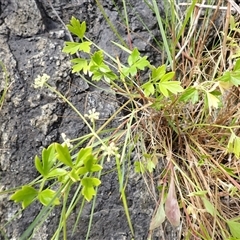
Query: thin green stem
x,y
75,109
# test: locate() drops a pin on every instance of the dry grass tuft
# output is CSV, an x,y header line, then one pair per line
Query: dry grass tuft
x,y
207,176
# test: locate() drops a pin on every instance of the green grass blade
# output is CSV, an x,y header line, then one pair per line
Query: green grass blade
x,y
163,33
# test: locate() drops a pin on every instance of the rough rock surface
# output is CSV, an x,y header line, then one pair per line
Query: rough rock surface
x,y
31,40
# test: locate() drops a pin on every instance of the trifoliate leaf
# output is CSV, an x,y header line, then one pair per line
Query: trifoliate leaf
x,y
150,166
132,70
97,76
88,190
90,165
26,195
135,62
74,175
103,68
110,76
102,71
85,47
142,63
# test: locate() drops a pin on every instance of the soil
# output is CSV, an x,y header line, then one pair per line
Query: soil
x,y
31,42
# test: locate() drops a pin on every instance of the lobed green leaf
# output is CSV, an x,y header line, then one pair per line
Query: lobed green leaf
x,y
168,76
79,65
73,47
48,159
97,58
57,172
88,190
173,87
74,175
148,88
133,57
212,101
26,195
77,28
63,154
46,196
82,155
158,73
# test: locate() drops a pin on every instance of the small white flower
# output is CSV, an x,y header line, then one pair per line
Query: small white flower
x,y
41,80
110,150
92,115
66,141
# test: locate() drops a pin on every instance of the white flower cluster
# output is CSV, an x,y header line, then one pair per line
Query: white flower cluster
x,y
110,150
41,80
92,115
66,141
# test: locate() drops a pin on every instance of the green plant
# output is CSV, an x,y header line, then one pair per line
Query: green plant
x,y
80,169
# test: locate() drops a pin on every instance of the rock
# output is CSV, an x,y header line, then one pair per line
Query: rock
x,y
23,18
31,42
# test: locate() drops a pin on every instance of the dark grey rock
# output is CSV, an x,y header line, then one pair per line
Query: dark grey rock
x,y
23,18
31,41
